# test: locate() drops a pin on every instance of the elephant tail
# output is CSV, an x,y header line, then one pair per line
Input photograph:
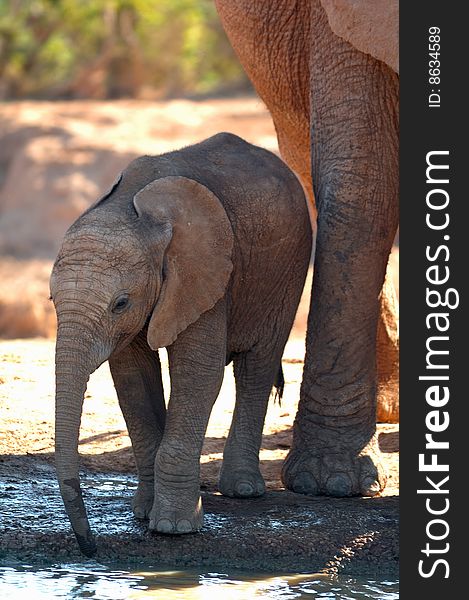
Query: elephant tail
x,y
279,385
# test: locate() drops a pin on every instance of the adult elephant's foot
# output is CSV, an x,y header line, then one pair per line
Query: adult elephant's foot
x,y
142,501
333,472
176,520
241,482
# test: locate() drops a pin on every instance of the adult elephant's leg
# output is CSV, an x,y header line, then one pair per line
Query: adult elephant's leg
x,y
387,339
387,355
136,372
354,122
196,366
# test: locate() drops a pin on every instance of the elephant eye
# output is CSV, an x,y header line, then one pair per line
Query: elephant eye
x,y
120,304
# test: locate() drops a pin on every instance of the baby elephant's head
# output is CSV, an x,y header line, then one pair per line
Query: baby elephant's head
x,y
162,255
155,256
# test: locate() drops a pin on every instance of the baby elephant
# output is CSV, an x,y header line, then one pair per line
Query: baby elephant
x,y
203,251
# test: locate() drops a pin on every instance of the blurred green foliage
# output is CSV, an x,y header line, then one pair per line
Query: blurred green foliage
x,y
113,48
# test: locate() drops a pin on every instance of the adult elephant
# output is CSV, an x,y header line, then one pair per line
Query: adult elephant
x,y
326,70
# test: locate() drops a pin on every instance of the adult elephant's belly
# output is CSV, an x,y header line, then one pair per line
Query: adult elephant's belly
x,y
276,60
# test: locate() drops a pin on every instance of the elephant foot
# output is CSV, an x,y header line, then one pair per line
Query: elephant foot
x,y
174,521
241,482
142,501
330,472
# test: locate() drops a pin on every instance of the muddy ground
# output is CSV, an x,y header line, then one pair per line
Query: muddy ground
x,y
55,159
282,531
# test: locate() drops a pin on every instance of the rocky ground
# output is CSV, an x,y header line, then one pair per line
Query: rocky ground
x,y
55,159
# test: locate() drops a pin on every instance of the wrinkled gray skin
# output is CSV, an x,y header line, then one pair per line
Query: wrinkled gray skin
x,y
203,251
336,113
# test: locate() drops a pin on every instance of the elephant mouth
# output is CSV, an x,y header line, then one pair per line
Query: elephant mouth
x,y
122,341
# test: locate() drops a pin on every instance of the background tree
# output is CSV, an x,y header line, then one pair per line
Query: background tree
x,y
113,48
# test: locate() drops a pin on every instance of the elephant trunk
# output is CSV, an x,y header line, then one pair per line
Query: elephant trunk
x,y
74,363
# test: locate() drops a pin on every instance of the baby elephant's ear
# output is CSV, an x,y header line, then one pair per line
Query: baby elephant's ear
x,y
197,258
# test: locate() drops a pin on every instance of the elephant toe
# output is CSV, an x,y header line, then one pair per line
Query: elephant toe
x,y
140,513
244,489
370,487
184,526
241,483
249,489
339,485
177,520
331,472
174,527
162,526
305,483
142,503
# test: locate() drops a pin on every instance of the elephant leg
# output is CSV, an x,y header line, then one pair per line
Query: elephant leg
x,y
254,374
354,123
196,365
136,372
387,355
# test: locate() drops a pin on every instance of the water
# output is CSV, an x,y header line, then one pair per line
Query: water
x,y
101,583
279,531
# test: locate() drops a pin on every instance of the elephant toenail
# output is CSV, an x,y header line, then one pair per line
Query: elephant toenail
x,y
244,489
260,489
339,485
165,526
370,486
184,526
305,483
139,513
